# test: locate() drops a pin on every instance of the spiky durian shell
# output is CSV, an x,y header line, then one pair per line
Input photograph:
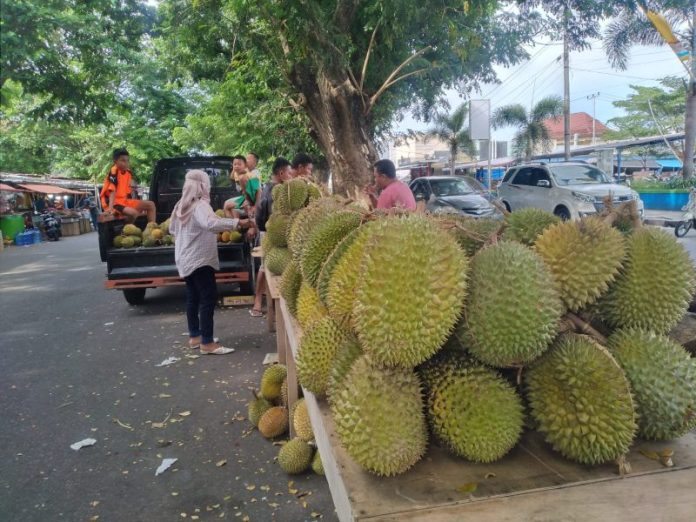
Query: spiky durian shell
x,y
327,269
309,308
274,422
663,380
301,422
582,401
315,356
584,258
323,239
401,324
655,285
290,286
379,418
278,229
511,317
276,260
527,224
256,408
471,233
473,410
295,456
272,381
347,353
305,221
317,465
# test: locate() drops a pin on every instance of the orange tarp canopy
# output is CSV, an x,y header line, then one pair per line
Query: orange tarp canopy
x,y
8,188
48,189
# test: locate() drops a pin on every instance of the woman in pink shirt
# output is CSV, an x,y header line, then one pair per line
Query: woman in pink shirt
x,y
393,193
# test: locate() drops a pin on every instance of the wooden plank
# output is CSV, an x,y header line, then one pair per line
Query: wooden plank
x,y
433,487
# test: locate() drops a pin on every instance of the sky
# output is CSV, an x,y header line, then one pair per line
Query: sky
x,y
590,73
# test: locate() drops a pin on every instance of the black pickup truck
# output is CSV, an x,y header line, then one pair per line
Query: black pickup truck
x,y
134,270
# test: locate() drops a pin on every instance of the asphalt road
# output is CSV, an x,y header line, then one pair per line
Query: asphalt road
x,y
79,362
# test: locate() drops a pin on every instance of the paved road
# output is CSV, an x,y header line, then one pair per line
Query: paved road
x,y
76,357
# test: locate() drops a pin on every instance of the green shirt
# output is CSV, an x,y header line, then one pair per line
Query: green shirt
x,y
252,187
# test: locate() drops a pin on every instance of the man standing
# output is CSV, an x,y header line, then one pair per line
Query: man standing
x,y
393,193
116,192
302,166
252,160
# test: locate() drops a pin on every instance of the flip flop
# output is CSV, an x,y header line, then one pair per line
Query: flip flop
x,y
197,346
255,313
220,350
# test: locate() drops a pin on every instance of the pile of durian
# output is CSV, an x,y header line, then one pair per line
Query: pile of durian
x,y
154,235
468,331
268,411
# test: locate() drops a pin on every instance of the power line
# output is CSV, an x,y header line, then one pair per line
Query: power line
x,y
514,73
616,74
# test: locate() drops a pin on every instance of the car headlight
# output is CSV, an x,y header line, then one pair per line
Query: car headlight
x,y
635,195
583,197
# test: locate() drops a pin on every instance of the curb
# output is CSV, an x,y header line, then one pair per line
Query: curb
x,y
660,222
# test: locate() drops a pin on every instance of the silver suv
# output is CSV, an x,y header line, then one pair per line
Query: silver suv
x,y
569,189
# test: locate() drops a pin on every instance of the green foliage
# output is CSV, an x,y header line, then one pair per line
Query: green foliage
x,y
671,184
532,133
451,128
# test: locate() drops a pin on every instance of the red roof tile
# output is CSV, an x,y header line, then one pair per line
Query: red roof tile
x,y
580,124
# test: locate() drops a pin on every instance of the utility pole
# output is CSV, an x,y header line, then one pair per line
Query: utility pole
x,y
566,90
593,97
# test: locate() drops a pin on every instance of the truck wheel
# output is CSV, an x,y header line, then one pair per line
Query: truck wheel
x,y
562,213
134,296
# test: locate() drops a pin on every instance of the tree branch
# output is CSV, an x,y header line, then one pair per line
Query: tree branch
x,y
390,79
367,56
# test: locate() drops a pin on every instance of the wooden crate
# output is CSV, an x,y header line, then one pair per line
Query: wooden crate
x,y
531,483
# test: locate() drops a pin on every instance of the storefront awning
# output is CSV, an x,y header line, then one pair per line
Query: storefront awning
x,y
48,189
8,188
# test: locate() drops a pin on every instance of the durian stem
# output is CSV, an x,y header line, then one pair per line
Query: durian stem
x,y
583,327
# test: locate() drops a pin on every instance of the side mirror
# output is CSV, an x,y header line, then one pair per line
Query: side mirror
x,y
420,196
544,183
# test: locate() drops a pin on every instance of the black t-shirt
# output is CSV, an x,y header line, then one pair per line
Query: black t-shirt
x,y
265,206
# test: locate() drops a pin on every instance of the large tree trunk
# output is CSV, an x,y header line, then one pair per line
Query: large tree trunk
x,y
690,131
340,127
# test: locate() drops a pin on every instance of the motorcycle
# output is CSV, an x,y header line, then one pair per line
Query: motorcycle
x,y
52,226
689,217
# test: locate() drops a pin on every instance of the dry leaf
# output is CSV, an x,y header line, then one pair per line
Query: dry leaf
x,y
251,487
650,454
123,424
184,413
314,514
469,487
157,424
221,463
164,396
94,503
490,475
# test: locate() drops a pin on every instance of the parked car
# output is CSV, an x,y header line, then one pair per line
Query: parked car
x,y
569,189
456,194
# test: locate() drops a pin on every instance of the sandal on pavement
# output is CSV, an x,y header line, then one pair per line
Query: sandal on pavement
x,y
197,346
255,313
220,350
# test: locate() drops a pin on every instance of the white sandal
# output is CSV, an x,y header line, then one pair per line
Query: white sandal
x,y
220,350
197,346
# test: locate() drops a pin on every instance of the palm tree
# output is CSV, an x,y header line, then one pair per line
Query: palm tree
x,y
631,27
450,129
532,133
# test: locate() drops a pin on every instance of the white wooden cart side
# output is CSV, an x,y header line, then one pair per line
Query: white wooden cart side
x,y
531,483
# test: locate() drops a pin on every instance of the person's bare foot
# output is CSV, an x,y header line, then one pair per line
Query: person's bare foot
x,y
195,342
215,349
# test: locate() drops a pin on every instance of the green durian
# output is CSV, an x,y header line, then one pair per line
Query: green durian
x,y
295,456
582,401
290,286
272,380
527,224
127,242
315,355
326,273
276,260
278,229
301,422
256,408
346,354
309,308
132,230
317,465
305,221
471,233
118,241
663,381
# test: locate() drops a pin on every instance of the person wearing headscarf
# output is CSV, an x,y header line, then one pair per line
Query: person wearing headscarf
x,y
195,227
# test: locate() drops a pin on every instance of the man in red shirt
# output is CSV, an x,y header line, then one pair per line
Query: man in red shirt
x,y
393,193
117,195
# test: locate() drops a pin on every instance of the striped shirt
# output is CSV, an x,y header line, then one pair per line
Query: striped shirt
x,y
196,241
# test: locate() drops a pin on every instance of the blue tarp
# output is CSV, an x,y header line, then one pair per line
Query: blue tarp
x,y
670,163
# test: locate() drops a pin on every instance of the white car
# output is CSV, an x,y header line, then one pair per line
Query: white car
x,y
569,189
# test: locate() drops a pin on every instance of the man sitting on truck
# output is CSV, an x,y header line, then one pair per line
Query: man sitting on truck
x,y
116,192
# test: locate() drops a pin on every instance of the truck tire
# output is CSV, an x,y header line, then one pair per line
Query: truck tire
x,y
134,296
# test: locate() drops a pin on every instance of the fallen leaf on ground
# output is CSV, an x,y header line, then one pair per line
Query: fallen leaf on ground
x,y
221,463
251,487
184,413
164,396
123,424
490,475
469,487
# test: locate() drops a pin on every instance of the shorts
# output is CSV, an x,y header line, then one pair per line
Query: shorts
x,y
131,203
236,201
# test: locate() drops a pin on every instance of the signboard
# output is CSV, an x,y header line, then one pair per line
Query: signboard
x,y
480,119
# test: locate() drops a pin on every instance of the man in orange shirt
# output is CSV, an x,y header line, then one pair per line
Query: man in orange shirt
x,y
116,191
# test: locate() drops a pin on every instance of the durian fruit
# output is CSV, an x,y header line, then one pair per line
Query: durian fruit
x,y
278,229
301,422
127,242
256,408
304,222
284,393
272,381
132,230
295,456
266,244
118,241
137,241
309,308
326,272
582,401
474,411
290,286
276,260
663,381
164,226
225,237
274,422
527,224
340,291
323,239
313,192
379,417
315,355
168,240
317,465
400,324
346,354
655,285
511,317
235,236
150,226
290,196
157,233
149,242
584,258
471,233
220,213
279,194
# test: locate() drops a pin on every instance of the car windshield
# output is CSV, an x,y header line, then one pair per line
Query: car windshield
x,y
450,187
219,177
577,175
